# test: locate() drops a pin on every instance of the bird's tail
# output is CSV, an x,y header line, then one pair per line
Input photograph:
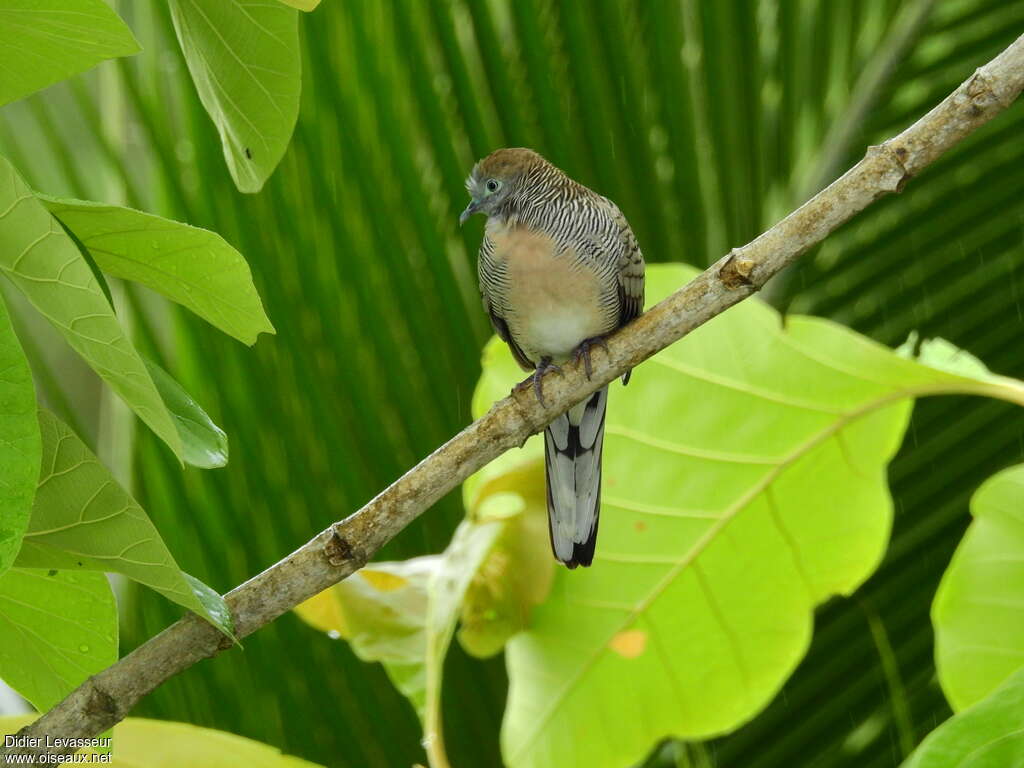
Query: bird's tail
x,y
572,463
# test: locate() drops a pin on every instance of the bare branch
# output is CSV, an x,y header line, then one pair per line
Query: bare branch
x,y
340,550
882,65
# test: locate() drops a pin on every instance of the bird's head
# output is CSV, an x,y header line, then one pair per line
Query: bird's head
x,y
498,177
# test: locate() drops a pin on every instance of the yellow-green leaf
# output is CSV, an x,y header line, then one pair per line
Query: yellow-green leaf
x,y
142,743
193,267
45,265
381,611
403,614
43,41
744,484
988,734
978,611
302,5
456,569
517,572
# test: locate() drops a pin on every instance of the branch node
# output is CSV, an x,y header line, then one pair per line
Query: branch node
x,y
981,95
735,273
525,389
337,550
895,156
99,704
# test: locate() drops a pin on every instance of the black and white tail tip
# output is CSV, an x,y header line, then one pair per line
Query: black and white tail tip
x,y
572,462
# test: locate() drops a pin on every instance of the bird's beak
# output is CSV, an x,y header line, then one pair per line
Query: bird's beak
x,y
472,208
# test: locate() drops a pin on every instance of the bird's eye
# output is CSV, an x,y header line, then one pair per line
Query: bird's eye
x,y
493,185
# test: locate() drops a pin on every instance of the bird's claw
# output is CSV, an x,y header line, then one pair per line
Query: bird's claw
x,y
538,375
583,350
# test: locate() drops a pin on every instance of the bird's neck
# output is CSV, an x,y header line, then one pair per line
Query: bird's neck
x,y
539,191
511,212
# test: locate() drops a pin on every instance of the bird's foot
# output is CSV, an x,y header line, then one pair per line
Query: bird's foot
x,y
583,351
543,367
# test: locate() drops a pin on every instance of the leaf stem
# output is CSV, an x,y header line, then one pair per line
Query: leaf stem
x,y
893,679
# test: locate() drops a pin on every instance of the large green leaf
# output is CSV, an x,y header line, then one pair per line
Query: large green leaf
x,y
988,734
43,41
84,520
744,484
56,629
244,60
19,441
142,743
979,608
192,266
42,261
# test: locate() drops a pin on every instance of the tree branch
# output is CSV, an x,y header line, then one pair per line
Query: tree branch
x,y
337,552
866,92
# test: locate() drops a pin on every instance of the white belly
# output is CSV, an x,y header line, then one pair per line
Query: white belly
x,y
557,332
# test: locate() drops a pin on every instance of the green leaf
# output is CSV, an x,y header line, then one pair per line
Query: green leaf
x,y
940,354
212,606
744,483
84,520
43,41
245,63
40,259
986,735
302,5
142,743
978,611
56,629
19,441
192,266
204,443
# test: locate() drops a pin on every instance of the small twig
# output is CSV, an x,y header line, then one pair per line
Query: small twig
x,y
334,554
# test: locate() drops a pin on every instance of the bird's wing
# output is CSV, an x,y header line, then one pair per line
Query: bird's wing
x,y
630,270
491,278
612,244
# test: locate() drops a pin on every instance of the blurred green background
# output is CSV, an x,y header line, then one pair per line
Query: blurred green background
x,y
704,121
